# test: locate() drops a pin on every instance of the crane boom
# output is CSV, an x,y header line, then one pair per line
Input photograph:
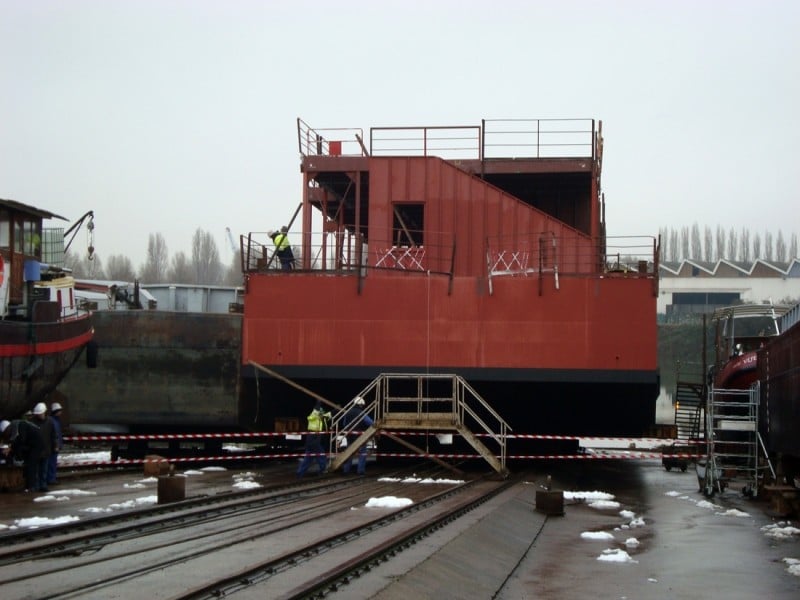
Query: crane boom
x,y
230,239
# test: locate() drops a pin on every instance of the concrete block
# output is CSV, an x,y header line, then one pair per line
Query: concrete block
x,y
11,479
171,489
550,502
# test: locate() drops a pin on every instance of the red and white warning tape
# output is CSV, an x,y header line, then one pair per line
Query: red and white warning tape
x,y
123,437
286,455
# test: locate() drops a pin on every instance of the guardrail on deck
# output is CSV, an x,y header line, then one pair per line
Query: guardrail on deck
x,y
493,138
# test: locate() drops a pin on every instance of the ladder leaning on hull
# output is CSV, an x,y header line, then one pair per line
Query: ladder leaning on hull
x,y
734,448
419,402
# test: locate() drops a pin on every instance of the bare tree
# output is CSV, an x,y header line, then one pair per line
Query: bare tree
x,y
768,247
697,245
733,244
181,269
205,259
155,269
780,247
120,268
663,244
673,245
744,245
708,245
84,268
233,275
685,243
720,242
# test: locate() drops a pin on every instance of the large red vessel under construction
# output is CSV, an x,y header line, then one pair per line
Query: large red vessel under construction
x,y
479,251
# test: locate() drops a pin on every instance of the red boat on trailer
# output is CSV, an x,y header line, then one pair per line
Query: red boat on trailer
x,y
474,250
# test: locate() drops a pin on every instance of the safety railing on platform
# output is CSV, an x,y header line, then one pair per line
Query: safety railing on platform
x,y
538,138
451,142
344,251
493,138
531,254
631,254
538,253
330,141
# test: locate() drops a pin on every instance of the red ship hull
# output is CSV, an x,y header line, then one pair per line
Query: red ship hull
x,y
35,357
585,325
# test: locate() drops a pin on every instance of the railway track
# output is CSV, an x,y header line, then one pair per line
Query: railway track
x,y
216,546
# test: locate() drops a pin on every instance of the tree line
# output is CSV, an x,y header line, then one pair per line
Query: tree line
x,y
202,267
725,244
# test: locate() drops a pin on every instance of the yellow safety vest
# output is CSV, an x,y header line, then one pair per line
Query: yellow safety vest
x,y
316,420
281,241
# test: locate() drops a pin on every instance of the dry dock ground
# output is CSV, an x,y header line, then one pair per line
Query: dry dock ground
x,y
656,538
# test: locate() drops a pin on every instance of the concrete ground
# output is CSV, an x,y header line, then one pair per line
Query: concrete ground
x,y
687,546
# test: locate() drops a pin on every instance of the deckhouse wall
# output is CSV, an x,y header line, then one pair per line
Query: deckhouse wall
x,y
467,211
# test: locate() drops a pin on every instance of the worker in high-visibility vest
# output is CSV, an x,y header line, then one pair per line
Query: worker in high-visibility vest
x,y
318,421
283,248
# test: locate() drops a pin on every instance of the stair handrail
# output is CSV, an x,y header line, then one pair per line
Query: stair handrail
x,y
377,398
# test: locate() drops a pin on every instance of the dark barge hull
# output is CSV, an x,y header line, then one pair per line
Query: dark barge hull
x,y
158,371
779,374
577,403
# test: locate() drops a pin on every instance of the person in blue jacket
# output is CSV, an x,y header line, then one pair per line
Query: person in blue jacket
x,y
355,418
52,461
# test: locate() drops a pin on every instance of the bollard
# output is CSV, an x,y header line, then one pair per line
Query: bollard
x,y
155,465
550,502
171,489
11,479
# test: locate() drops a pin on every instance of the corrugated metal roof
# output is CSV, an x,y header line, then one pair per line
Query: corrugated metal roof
x,y
27,208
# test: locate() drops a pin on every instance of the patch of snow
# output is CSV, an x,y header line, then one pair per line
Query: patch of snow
x,y
388,502
616,556
36,522
246,485
597,535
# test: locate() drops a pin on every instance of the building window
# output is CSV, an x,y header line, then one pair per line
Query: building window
x,y
408,224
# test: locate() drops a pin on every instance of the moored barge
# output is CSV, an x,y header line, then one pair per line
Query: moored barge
x,y
474,250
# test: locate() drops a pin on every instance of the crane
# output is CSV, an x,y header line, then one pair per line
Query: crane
x,y
89,229
230,239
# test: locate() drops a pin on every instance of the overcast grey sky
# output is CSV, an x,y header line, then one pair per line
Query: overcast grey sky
x,y
166,115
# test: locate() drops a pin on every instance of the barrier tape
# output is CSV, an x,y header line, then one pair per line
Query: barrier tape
x,y
195,459
267,434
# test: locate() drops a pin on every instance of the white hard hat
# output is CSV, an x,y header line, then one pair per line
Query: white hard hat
x,y
39,409
358,401
55,407
4,425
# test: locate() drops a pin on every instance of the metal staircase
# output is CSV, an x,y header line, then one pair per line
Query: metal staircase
x,y
735,453
419,402
689,404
